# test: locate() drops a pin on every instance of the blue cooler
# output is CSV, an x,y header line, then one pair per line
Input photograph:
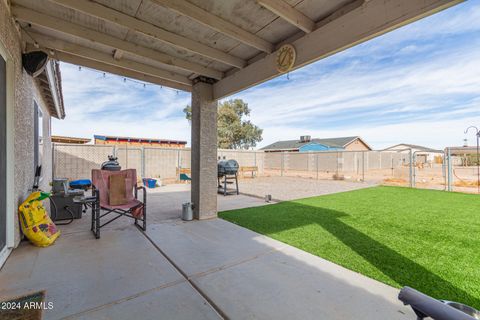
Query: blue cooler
x,y
83,184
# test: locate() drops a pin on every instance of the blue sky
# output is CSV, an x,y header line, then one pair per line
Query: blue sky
x,y
419,84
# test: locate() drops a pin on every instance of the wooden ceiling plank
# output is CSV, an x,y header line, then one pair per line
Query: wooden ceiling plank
x,y
150,30
54,23
210,20
92,54
81,61
289,13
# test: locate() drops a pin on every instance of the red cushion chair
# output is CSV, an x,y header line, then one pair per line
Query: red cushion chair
x,y
130,207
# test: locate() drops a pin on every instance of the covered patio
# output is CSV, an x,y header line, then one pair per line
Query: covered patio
x,y
211,268
211,48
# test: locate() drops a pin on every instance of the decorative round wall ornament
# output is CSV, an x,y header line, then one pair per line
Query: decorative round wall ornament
x,y
286,57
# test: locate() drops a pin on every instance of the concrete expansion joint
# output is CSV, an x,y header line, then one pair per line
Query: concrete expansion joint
x,y
139,294
212,304
233,264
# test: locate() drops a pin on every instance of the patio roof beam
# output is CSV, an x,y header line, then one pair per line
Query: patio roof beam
x,y
150,30
57,24
373,18
289,13
117,54
81,61
70,58
190,10
78,50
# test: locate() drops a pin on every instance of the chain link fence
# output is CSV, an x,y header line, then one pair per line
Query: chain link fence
x,y
437,170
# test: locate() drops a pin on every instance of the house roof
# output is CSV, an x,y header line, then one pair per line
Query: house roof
x,y
71,140
462,150
411,146
340,142
136,139
50,82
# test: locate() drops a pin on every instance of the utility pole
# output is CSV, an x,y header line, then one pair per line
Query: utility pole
x,y
477,133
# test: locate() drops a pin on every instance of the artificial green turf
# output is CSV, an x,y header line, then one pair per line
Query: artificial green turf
x,y
425,239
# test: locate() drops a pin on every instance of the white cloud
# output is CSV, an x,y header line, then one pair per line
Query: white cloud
x,y
97,104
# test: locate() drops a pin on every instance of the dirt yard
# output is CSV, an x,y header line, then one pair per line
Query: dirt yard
x,y
290,188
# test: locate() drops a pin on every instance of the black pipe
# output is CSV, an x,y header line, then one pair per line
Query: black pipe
x,y
426,306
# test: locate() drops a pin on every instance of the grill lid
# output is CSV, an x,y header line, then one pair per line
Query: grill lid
x,y
227,167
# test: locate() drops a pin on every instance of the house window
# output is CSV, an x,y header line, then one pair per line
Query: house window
x,y
3,158
38,135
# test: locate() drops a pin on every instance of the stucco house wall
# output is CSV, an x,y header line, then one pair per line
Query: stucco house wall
x,y
357,145
26,91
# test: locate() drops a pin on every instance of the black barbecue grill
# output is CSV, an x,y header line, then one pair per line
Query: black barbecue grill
x,y
227,169
112,164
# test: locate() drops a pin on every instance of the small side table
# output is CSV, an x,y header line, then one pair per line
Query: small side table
x,y
93,203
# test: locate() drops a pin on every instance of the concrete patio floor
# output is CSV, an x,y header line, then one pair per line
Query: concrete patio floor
x,y
190,270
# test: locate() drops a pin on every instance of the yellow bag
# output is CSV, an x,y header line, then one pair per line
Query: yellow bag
x,y
35,222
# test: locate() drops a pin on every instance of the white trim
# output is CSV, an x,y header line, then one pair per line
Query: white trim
x,y
11,212
53,84
39,137
4,253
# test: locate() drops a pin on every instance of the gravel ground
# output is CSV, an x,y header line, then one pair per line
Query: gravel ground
x,y
291,188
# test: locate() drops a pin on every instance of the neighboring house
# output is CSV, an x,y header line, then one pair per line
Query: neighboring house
x,y
463,156
422,154
26,107
306,144
70,140
147,142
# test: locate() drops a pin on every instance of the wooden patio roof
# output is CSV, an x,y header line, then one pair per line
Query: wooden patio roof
x,y
234,42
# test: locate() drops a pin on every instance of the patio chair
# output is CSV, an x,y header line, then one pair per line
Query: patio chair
x,y
185,177
107,186
184,174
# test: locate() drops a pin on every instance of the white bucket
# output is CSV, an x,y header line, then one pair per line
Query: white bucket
x,y
187,212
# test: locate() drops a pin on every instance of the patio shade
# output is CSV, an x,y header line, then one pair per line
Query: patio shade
x,y
236,43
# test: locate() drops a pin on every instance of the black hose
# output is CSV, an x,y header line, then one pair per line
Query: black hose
x,y
55,210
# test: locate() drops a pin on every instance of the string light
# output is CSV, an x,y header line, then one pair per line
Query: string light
x,y
104,75
143,84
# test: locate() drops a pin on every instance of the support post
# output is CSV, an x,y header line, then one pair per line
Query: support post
x,y
143,162
177,171
363,166
414,157
282,163
411,168
53,160
204,149
449,170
